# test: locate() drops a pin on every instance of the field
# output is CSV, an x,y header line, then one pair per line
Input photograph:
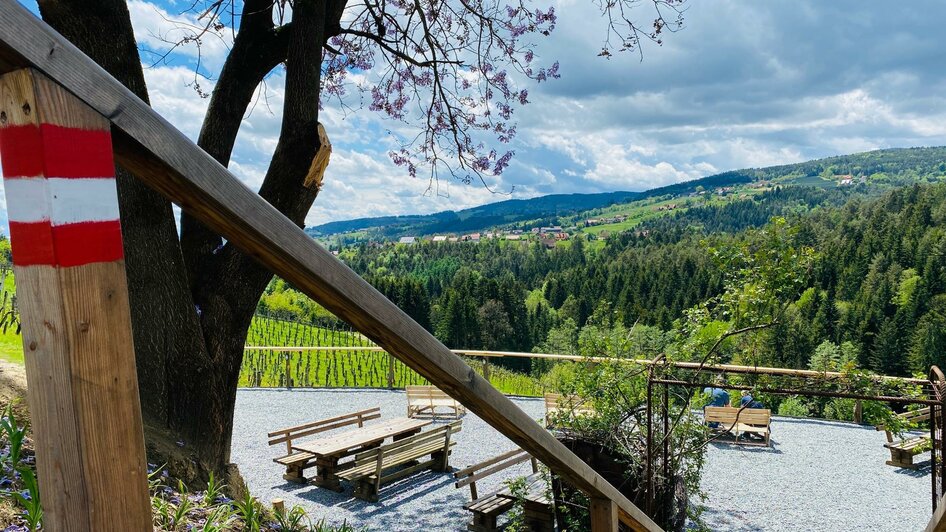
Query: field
x,y
637,212
358,367
11,345
336,368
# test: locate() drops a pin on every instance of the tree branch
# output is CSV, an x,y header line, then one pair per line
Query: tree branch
x,y
258,48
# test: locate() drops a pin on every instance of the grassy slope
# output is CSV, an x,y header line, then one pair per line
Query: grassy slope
x,y
344,368
11,345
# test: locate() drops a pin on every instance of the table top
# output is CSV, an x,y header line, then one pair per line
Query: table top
x,y
361,436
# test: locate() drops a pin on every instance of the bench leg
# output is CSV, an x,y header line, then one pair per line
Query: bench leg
x,y
294,474
901,459
483,523
326,477
441,461
366,491
538,517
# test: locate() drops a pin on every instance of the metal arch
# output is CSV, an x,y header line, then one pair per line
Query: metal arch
x,y
937,423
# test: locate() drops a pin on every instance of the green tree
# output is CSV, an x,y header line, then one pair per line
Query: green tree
x,y
495,331
827,357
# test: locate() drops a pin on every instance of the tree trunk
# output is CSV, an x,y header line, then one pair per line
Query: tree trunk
x,y
162,310
193,298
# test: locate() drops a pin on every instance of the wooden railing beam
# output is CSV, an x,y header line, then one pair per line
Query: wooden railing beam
x,y
170,163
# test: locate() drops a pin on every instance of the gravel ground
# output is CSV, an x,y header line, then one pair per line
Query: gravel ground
x,y
427,500
818,476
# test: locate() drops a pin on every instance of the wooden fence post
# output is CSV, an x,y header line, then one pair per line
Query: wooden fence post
x,y
604,515
59,180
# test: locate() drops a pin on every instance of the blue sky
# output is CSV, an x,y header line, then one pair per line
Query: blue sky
x,y
745,84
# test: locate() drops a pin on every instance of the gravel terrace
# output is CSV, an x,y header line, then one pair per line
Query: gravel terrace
x,y
818,475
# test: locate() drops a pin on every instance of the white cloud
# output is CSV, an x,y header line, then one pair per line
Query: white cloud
x,y
160,31
743,85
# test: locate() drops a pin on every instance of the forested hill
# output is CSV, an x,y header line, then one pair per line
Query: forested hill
x,y
877,288
870,172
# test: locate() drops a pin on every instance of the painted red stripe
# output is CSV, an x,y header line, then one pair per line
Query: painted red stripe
x,y
21,149
32,242
56,151
88,242
66,245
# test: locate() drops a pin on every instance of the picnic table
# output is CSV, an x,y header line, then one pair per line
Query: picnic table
x,y
330,449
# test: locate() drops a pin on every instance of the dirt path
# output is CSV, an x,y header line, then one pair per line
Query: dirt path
x,y
12,381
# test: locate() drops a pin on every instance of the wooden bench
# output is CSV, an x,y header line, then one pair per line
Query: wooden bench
x,y
297,461
487,508
903,451
556,404
739,422
426,400
374,467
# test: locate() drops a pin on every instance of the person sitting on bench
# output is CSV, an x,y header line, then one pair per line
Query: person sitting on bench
x,y
718,397
748,402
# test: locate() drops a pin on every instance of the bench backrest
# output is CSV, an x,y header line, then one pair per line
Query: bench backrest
x,y
293,433
729,415
425,392
437,435
470,475
910,416
555,402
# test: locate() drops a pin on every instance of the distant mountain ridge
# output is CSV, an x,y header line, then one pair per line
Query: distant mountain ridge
x,y
477,218
893,161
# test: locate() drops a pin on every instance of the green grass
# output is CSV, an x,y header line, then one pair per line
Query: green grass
x,y
11,343
11,346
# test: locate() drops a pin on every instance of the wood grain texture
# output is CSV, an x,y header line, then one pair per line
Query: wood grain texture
x,y
49,375
82,385
171,164
604,515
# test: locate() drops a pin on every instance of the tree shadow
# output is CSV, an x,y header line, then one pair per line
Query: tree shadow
x,y
923,469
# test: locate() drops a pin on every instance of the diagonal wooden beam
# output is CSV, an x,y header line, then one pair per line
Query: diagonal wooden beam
x,y
169,162
938,521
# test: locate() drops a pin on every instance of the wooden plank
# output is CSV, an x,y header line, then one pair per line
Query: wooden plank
x,y
604,515
365,415
486,471
486,463
73,297
318,429
352,439
170,163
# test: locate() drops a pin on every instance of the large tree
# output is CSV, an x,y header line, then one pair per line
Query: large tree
x,y
455,70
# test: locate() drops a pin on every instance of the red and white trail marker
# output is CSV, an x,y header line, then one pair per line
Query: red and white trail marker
x,y
62,202
61,197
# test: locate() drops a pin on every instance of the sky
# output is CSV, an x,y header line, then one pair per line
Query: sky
x,y
743,84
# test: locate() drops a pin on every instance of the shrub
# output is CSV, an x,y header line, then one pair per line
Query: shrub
x,y
793,407
840,409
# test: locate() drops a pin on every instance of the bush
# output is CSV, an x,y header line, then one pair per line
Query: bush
x,y
840,409
878,413
560,377
794,407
